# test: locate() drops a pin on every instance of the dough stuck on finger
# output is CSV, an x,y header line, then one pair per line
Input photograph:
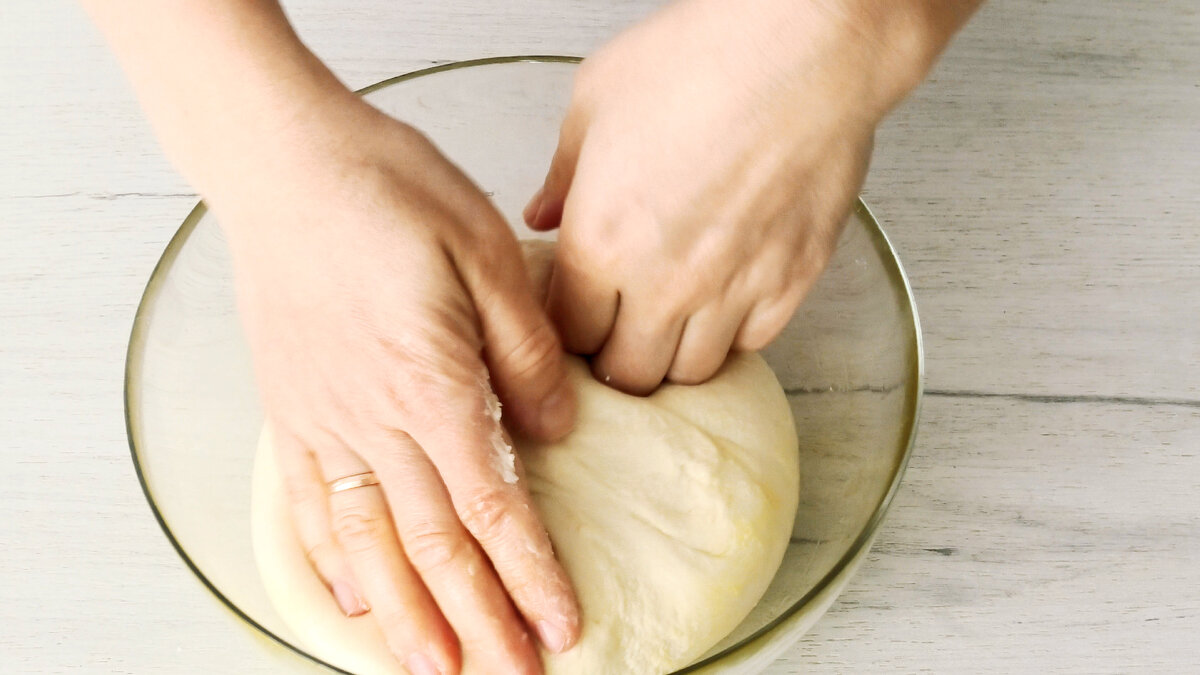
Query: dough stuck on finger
x,y
670,513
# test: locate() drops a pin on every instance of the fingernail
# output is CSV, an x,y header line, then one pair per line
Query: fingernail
x,y
557,412
534,208
553,638
348,600
419,664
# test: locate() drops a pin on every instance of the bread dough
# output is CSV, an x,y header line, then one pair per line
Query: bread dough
x,y
670,513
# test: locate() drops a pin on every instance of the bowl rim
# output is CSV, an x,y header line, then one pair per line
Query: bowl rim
x,y
135,354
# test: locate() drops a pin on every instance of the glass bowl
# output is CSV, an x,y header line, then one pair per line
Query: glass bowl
x,y
850,362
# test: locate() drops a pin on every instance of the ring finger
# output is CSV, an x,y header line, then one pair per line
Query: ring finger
x,y
450,562
308,499
705,343
582,306
638,353
407,615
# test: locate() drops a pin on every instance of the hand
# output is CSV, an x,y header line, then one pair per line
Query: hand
x,y
705,168
378,288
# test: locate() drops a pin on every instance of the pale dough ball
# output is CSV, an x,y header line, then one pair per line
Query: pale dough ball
x,y
670,513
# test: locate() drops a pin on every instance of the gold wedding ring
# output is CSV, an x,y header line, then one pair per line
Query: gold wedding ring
x,y
356,481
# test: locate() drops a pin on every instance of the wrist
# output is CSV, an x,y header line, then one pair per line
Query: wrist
x,y
879,51
903,38
280,112
864,55
274,132
227,84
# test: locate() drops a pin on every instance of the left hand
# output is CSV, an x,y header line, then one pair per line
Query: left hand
x,y
705,168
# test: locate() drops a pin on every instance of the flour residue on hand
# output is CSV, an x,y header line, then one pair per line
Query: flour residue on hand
x,y
503,458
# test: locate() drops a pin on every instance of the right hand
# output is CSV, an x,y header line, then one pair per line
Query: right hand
x,y
379,287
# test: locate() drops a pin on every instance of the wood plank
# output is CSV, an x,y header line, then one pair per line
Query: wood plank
x,y
1030,537
1042,189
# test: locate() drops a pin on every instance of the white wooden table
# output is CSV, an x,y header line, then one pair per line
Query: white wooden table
x,y
1043,189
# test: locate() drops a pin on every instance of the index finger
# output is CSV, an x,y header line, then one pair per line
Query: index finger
x,y
477,463
582,307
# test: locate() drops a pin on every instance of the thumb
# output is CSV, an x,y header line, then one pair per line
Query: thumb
x,y
544,211
522,350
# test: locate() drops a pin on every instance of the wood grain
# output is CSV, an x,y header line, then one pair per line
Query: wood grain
x,y
1042,189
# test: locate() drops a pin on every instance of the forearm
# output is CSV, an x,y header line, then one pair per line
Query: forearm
x,y
943,18
830,59
909,34
226,83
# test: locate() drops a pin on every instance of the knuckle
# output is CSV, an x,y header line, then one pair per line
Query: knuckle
x,y
303,496
360,530
759,335
752,339
533,356
430,547
603,235
429,379
690,374
486,514
398,631
769,318
636,384
524,587
492,250
624,368
321,554
535,591
643,387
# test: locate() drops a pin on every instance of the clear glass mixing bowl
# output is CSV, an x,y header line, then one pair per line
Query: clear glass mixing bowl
x,y
850,361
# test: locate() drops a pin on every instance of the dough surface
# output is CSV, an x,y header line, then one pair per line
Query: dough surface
x,y
670,513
